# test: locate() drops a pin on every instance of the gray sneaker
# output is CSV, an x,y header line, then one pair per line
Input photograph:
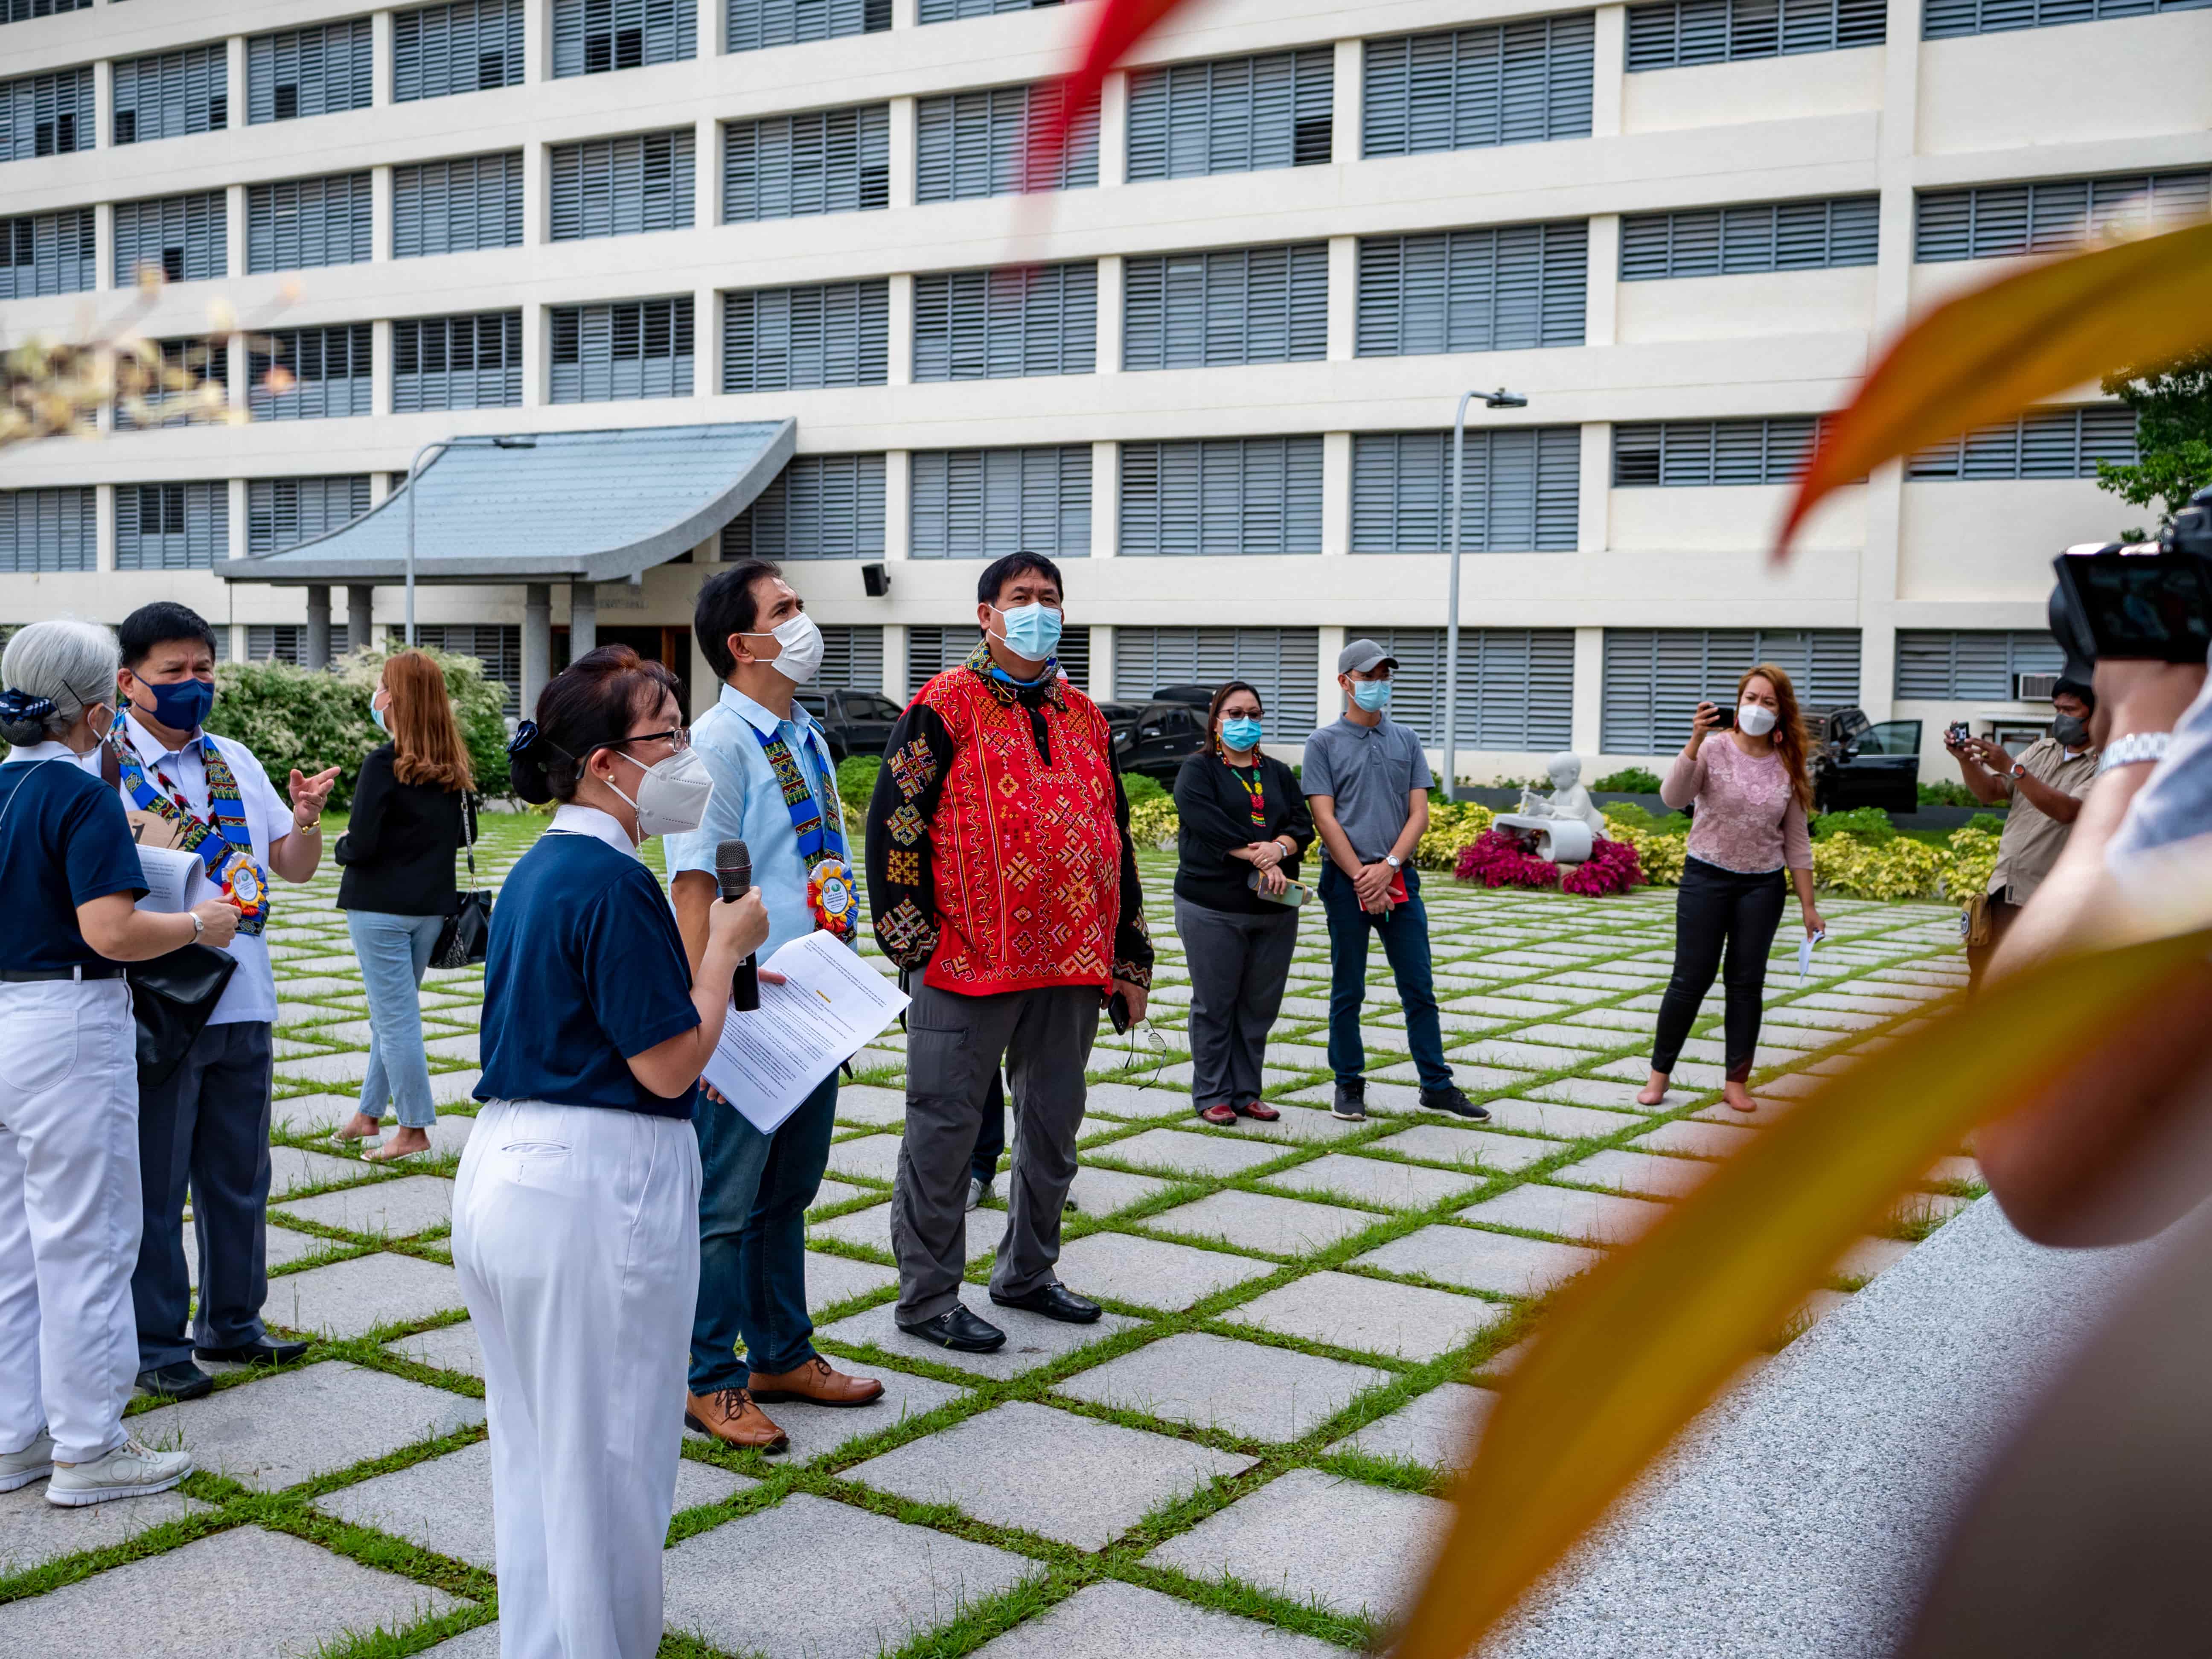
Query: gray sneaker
x,y
978,1190
130,1471
34,1463
1351,1102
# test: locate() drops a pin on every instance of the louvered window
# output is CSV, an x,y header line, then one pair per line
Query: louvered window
x,y
982,503
1232,115
1503,288
45,114
1943,18
47,530
1768,450
1502,83
167,96
467,45
311,71
590,37
776,339
1016,320
1283,663
2045,443
298,222
1520,491
947,11
1214,496
1516,685
457,206
468,361
21,11
820,506
207,362
1722,31
787,166
328,369
749,25
969,144
851,658
282,513
497,646
287,642
1844,230
931,650
1998,221
1959,665
171,526
1655,678
1241,305
48,253
621,186
186,238
630,349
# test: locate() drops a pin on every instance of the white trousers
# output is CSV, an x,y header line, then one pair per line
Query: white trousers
x,y
70,1213
576,1237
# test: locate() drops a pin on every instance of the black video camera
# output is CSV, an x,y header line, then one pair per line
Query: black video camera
x,y
2151,602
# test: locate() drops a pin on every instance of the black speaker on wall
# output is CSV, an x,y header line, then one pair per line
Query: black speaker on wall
x,y
875,581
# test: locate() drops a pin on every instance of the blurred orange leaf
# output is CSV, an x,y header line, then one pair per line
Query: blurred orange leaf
x,y
1115,32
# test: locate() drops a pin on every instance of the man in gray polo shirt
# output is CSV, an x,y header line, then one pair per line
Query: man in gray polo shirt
x,y
1367,780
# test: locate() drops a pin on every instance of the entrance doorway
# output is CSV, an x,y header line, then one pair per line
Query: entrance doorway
x,y
670,647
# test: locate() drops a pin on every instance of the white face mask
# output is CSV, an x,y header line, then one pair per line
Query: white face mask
x,y
1756,718
671,797
802,644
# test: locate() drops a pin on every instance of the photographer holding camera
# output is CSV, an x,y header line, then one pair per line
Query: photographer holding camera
x,y
2045,785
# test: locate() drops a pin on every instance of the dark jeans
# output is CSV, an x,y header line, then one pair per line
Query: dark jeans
x,y
753,1193
1717,907
991,1139
206,1129
1405,934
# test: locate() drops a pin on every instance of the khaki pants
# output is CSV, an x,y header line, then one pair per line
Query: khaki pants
x,y
2002,913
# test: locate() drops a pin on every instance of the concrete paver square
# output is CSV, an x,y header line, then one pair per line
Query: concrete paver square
x,y
1436,1429
1687,1075
1031,1339
1440,1143
1114,1620
448,1348
292,1170
816,1430
826,1581
1176,1151
1608,1092
857,1103
1259,1221
349,1298
1687,1134
1525,1056
187,1604
1562,1122
31,1530
873,1227
1636,1172
390,1209
1504,1263
1370,1316
834,1279
1048,1470
1101,1192
875,1156
1587,1218
1307,1536
1214,1383
1376,1180
1151,1272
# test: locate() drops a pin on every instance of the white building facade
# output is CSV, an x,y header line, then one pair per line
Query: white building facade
x,y
1213,373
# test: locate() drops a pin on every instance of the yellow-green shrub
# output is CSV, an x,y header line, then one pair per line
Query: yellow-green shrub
x,y
1899,869
1661,856
1973,858
1153,824
1453,826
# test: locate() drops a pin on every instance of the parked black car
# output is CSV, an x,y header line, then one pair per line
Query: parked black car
x,y
1155,738
855,722
1861,763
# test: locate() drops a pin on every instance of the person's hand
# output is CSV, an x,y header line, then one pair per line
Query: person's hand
x,y
2142,696
739,925
1990,755
769,976
1132,994
1267,855
308,795
1814,925
1958,746
1272,882
1369,885
218,921
1701,721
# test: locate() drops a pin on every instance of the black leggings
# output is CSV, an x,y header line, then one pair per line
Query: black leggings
x,y
1717,907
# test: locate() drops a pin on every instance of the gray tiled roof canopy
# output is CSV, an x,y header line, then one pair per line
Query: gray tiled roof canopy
x,y
580,507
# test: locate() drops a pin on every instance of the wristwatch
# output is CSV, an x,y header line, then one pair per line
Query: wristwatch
x,y
2018,771
198,927
2133,749
1394,862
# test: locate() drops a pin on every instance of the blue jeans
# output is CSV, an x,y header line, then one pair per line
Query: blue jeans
x,y
1406,944
394,950
753,1193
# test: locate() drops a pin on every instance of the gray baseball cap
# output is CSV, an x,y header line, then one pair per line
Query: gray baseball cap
x,y
1363,656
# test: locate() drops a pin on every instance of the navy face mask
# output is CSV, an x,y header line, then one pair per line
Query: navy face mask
x,y
181,705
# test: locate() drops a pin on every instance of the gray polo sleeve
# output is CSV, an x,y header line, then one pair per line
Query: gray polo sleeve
x,y
1318,776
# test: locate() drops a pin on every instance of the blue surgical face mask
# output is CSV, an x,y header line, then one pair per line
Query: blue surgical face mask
x,y
1241,732
181,705
1032,630
377,715
1373,696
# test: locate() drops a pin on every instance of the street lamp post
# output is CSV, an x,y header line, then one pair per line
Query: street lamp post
x,y
415,472
1500,398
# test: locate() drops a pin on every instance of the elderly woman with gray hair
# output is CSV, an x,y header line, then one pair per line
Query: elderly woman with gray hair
x,y
70,1209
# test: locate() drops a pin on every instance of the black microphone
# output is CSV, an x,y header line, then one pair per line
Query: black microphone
x,y
734,877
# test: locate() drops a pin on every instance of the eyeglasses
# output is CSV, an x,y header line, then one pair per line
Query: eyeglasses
x,y
678,738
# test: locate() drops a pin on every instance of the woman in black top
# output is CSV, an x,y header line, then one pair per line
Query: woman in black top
x,y
1243,825
398,890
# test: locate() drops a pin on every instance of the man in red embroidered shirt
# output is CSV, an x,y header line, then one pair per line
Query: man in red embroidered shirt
x,y
1000,873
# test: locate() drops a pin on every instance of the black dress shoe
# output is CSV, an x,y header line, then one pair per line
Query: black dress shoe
x,y
1054,1302
263,1352
180,1380
1454,1101
959,1330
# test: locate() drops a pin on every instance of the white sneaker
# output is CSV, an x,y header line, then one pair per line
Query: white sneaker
x,y
976,1189
130,1471
34,1463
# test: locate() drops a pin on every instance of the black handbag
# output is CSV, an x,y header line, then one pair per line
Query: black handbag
x,y
466,936
170,1000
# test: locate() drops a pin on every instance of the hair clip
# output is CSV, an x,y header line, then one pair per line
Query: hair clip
x,y
16,705
524,735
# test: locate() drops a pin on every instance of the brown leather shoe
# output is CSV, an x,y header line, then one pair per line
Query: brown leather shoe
x,y
816,1384
731,1417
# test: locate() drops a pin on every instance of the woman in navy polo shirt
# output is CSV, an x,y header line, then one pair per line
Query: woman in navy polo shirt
x,y
69,1204
575,1214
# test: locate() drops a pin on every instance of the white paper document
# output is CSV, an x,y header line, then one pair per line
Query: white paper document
x,y
1805,953
174,881
830,1003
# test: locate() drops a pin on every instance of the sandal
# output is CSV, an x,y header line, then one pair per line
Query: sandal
x,y
1221,1115
1258,1110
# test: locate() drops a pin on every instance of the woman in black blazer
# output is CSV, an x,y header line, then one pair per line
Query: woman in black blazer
x,y
1243,825
398,890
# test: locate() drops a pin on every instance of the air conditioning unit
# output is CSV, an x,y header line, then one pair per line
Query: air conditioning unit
x,y
2033,688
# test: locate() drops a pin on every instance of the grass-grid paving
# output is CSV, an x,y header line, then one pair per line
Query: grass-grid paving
x,y
1567,987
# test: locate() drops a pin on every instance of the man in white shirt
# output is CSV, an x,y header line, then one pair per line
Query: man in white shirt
x,y
206,1126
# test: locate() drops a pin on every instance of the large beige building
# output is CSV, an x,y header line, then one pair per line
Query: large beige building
x,y
1222,386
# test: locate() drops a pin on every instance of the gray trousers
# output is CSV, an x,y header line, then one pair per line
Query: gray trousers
x,y
953,1047
1238,965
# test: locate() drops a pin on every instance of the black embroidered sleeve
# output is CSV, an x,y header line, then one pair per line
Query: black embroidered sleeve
x,y
902,898
1133,942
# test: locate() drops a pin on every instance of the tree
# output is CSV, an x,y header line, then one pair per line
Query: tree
x,y
2173,438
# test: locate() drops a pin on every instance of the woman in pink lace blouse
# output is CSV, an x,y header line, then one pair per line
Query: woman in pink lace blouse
x,y
1752,791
